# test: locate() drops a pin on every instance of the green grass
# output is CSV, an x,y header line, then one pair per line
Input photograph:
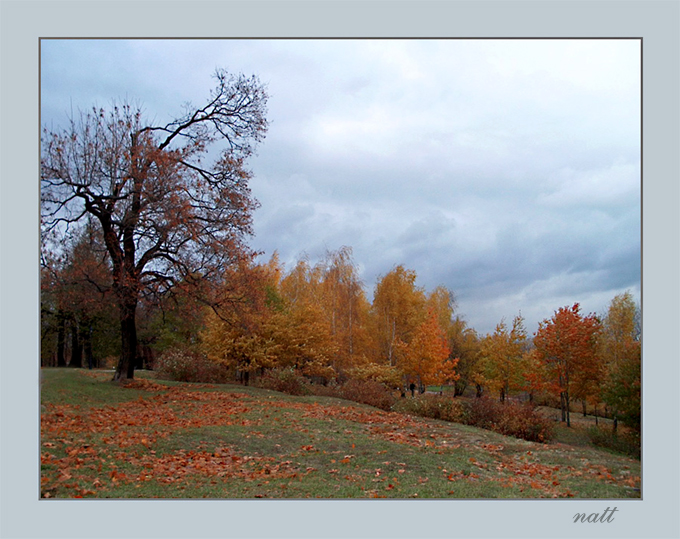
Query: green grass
x,y
69,386
171,440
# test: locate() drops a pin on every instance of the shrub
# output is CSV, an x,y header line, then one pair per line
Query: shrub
x,y
109,362
387,375
627,443
547,399
288,380
432,406
481,412
523,421
509,418
285,380
183,365
367,392
331,389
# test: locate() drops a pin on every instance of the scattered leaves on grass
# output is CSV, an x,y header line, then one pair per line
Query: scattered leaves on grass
x,y
84,449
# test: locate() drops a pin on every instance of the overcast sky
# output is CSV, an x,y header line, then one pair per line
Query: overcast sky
x,y
505,170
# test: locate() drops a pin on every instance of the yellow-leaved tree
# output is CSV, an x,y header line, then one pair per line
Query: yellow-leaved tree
x,y
345,307
426,357
465,345
278,321
303,331
398,309
241,336
502,358
621,353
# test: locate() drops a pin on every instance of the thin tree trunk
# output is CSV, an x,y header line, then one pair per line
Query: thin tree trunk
x,y
394,331
351,336
566,395
86,338
61,340
459,389
568,411
76,346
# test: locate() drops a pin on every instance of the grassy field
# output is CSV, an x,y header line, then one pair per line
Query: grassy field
x,y
156,439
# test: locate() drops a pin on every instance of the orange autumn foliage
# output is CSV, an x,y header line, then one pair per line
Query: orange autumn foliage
x,y
426,357
566,345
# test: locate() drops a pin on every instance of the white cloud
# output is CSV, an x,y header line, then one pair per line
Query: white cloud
x,y
614,184
505,170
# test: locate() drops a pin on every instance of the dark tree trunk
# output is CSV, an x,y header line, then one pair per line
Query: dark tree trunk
x,y
128,331
86,338
61,340
76,346
145,357
139,357
479,391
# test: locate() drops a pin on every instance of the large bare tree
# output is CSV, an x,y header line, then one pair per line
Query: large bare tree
x,y
173,201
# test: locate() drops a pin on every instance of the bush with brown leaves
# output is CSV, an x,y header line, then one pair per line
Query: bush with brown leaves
x,y
509,418
368,392
285,380
432,406
183,365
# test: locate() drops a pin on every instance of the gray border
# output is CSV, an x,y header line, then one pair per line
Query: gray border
x,y
22,23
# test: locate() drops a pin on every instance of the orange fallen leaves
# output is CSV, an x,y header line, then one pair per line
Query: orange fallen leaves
x,y
127,426
494,448
128,431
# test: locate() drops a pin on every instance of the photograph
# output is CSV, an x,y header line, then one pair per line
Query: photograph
x,y
341,269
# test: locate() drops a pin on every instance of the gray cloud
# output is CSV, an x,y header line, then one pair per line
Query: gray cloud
x,y
508,171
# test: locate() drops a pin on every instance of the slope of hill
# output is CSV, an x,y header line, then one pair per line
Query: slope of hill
x,y
156,439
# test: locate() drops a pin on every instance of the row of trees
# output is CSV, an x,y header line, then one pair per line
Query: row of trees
x,y
574,356
318,320
80,319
